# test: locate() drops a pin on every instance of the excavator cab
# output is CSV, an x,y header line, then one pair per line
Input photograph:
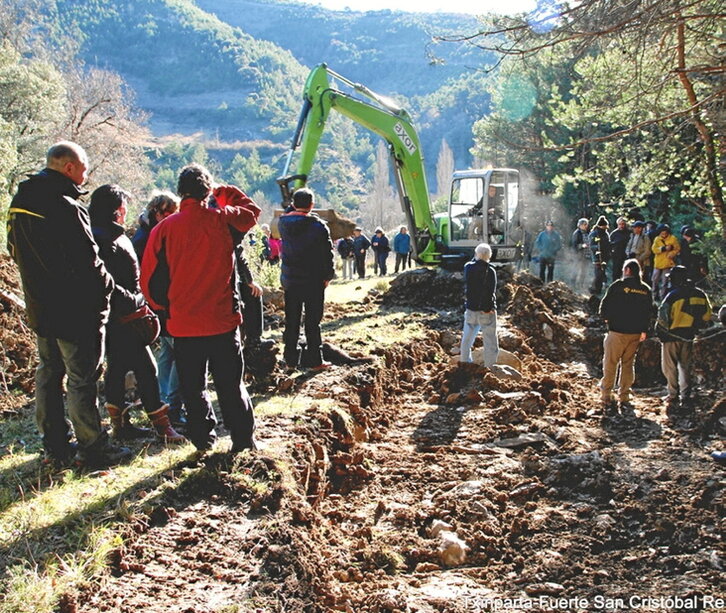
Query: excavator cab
x,y
484,208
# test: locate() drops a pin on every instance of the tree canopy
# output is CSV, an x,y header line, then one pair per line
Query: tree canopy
x,y
615,102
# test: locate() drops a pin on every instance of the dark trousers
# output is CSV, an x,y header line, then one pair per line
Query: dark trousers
x,y
222,354
382,259
360,264
600,278
401,260
124,352
311,298
547,264
252,317
80,361
618,261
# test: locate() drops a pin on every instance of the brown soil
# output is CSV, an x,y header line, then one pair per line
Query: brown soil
x,y
17,341
548,497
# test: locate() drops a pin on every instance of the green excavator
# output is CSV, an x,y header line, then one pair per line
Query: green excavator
x,y
484,205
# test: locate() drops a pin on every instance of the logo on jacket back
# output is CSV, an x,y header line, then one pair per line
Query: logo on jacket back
x,y
634,290
404,138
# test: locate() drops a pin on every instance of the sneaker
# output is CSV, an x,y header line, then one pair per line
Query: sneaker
x,y
105,453
719,456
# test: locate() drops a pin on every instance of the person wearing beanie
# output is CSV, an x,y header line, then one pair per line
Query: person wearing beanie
x,y
599,242
665,248
683,312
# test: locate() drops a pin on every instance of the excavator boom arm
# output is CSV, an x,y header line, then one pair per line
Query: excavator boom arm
x,y
387,120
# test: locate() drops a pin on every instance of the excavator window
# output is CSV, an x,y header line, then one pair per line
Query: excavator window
x,y
467,209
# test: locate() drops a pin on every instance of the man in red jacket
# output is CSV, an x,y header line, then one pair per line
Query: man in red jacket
x,y
188,272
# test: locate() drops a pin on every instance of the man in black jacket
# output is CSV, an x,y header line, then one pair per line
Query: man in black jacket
x,y
581,247
307,268
480,285
67,291
360,246
600,249
627,308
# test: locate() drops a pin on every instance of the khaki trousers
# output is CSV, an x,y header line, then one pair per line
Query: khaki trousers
x,y
618,349
675,362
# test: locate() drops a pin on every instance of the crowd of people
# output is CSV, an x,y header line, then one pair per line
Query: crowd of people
x,y
94,295
353,251
595,252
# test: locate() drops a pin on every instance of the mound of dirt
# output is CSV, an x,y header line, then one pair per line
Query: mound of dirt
x,y
426,287
17,342
545,333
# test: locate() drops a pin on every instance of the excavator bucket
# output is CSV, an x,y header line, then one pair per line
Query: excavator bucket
x,y
340,227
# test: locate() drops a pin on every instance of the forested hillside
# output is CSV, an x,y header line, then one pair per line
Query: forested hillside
x,y
229,76
192,71
389,51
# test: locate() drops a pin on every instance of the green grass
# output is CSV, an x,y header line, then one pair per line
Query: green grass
x,y
58,527
288,405
389,327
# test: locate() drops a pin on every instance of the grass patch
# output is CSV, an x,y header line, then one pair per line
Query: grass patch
x,y
341,291
289,406
389,328
62,526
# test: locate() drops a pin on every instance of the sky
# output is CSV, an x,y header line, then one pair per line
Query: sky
x,y
432,6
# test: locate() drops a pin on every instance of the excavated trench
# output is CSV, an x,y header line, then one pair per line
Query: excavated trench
x,y
413,483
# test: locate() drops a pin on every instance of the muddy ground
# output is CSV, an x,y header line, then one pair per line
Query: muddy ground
x,y
412,483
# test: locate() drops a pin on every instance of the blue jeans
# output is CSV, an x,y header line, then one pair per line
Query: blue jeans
x,y
487,323
381,259
168,376
80,360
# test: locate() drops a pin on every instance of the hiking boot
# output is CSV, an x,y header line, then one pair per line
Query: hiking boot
x,y
103,453
60,458
608,405
250,444
627,408
121,427
163,427
671,404
178,418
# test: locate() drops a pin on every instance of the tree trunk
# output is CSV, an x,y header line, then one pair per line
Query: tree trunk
x,y
709,147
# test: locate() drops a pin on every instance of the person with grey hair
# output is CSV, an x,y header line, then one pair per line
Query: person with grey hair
x,y
619,238
480,285
67,292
